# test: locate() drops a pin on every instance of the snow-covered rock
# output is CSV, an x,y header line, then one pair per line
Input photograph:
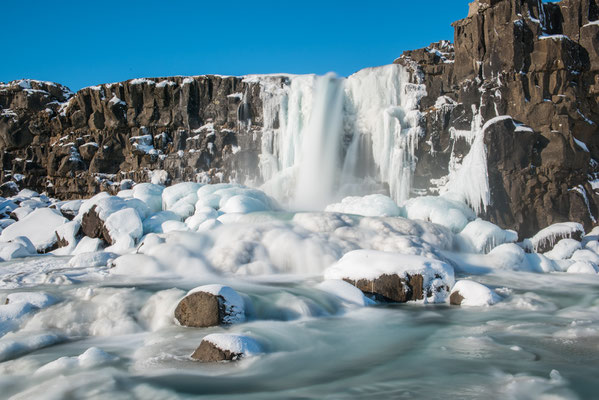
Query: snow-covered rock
x,y
18,247
583,267
226,347
546,238
393,276
210,305
564,249
449,213
470,293
150,194
482,236
39,227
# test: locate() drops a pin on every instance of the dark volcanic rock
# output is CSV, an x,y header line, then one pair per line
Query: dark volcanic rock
x,y
92,226
537,63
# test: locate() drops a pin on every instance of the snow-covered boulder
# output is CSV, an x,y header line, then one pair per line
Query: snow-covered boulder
x,y
226,347
137,265
70,209
394,277
210,305
583,267
115,220
18,247
510,256
374,205
181,198
470,293
243,205
124,228
39,227
482,236
449,213
150,194
564,249
88,245
153,224
68,237
546,238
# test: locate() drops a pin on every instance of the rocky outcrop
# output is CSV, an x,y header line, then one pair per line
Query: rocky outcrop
x,y
204,128
538,63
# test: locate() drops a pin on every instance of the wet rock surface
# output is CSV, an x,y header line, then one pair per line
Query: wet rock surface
x,y
209,352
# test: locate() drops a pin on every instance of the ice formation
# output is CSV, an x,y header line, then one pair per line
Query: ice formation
x,y
376,108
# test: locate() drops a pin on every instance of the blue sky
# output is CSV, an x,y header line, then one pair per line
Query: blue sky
x,y
82,43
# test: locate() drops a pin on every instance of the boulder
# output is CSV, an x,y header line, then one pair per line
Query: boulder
x,y
226,347
210,305
470,293
394,277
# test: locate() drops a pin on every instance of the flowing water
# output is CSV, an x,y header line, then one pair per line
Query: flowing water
x,y
541,340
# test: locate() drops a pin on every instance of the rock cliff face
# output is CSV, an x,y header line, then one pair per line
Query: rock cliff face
x,y
539,64
536,63
73,145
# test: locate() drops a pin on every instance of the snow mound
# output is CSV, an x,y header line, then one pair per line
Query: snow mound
x,y
95,259
482,236
564,249
91,358
181,198
583,267
18,247
136,265
449,213
474,294
150,194
38,227
125,229
231,301
375,205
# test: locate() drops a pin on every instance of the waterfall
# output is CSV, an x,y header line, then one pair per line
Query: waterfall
x,y
326,137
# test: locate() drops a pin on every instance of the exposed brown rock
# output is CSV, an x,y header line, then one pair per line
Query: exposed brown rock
x,y
93,226
392,288
456,298
199,310
208,352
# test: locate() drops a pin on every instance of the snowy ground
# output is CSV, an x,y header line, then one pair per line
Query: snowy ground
x,y
92,320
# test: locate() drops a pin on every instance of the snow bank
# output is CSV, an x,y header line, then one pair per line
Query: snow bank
x,y
38,227
473,294
375,205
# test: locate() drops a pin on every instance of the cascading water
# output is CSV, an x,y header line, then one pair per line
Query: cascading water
x,y
326,137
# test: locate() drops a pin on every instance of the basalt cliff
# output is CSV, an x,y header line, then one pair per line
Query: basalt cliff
x,y
522,73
